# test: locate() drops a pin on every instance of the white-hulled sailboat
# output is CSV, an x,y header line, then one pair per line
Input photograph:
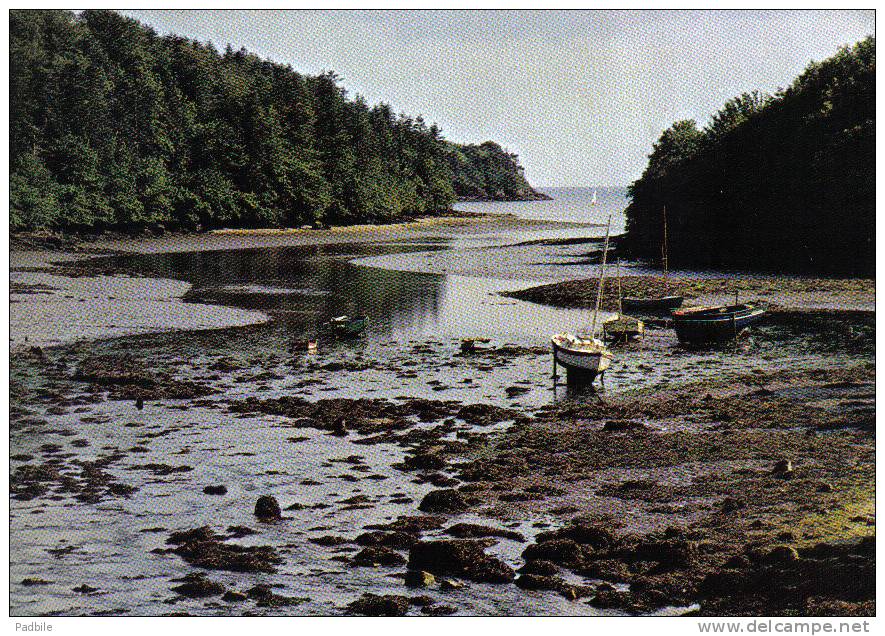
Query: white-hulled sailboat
x,y
593,201
584,356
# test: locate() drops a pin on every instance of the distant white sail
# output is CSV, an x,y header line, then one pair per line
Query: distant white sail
x,y
593,201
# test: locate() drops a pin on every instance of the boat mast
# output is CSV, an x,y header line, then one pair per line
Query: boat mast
x,y
601,277
664,256
620,295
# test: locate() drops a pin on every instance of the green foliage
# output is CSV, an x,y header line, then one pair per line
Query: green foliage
x,y
114,126
783,183
487,171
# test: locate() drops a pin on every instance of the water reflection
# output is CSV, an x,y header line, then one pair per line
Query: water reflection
x,y
302,287
411,311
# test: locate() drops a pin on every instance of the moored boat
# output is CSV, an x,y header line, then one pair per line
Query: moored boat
x,y
715,323
345,326
621,327
584,356
657,305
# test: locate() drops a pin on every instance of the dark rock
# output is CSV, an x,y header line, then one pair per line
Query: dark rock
x,y
737,562
267,508
520,496
329,540
419,578
606,569
374,605
84,589
30,582
445,501
782,554
422,600
514,391
609,598
198,586
472,530
411,524
234,597
204,548
339,427
425,461
439,610
215,490
587,533
266,597
575,592
783,468
613,426
395,540
560,551
730,504
669,554
542,568
539,582
448,585
262,590
378,555
459,557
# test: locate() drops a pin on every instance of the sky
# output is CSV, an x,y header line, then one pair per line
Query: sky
x,y
580,96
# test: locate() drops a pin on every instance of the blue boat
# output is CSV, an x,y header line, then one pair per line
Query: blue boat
x,y
715,323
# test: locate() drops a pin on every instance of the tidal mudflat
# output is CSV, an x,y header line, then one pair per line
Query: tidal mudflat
x,y
226,471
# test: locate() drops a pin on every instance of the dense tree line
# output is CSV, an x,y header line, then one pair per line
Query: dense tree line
x,y
783,182
487,171
113,126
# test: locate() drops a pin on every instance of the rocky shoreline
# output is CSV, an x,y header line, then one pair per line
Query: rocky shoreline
x,y
287,491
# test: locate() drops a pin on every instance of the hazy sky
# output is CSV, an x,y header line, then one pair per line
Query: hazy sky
x,y
580,96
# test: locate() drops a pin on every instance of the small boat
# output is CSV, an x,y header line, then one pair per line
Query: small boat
x,y
584,356
593,201
468,345
621,327
345,326
715,323
660,304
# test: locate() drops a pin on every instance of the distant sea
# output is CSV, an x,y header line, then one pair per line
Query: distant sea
x,y
568,204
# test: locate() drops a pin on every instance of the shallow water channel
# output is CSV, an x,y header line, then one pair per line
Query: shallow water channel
x,y
409,350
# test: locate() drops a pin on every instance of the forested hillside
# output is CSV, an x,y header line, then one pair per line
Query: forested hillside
x,y
487,171
783,182
113,126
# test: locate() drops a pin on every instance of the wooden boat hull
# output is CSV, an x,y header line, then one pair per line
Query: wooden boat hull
x,y
623,328
662,305
582,366
714,324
